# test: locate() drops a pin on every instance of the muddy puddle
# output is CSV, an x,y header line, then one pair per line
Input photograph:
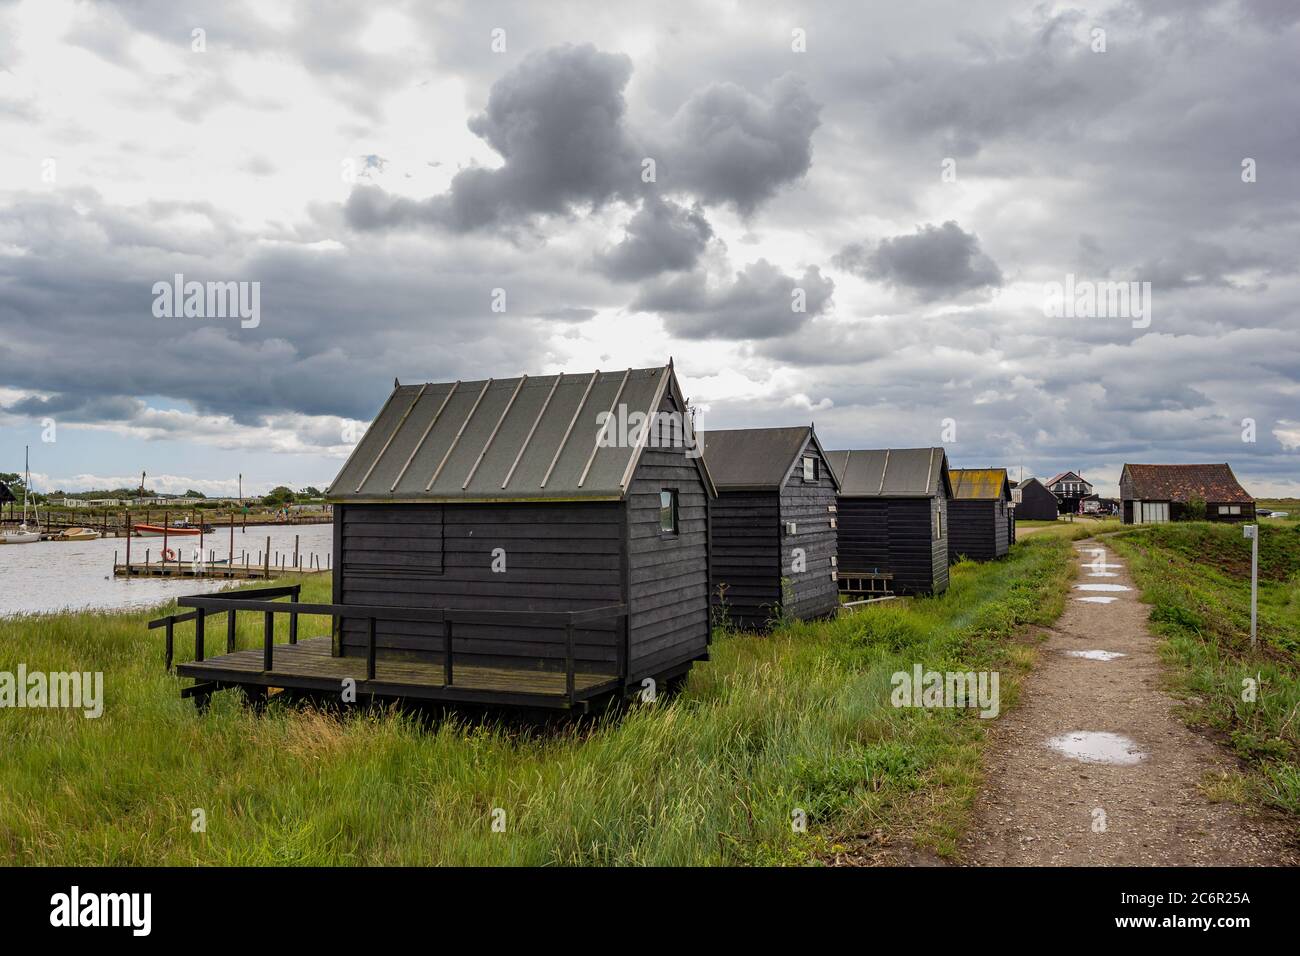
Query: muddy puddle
x,y
1094,746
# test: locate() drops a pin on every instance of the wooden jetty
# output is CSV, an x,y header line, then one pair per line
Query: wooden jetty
x,y
173,562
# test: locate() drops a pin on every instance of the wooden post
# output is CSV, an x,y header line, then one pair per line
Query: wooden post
x,y
128,543
164,548
293,615
266,568
232,540
295,552
370,650
268,639
446,651
171,622
230,631
198,636
568,658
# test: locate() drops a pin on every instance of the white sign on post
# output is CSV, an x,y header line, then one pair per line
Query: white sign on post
x,y
1251,531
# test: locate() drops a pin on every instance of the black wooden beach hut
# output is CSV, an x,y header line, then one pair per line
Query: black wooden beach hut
x,y
893,520
533,540
1033,502
977,514
773,545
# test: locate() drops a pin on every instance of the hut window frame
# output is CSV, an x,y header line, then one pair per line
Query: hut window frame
x,y
668,510
809,464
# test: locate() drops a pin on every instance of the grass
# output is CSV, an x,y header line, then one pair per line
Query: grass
x,y
1072,530
799,720
1196,576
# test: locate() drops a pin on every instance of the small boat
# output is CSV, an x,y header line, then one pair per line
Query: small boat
x,y
158,530
20,535
79,534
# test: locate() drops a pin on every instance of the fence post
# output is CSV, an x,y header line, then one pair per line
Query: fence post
x,y
198,635
230,631
568,658
293,615
171,623
446,650
268,639
370,651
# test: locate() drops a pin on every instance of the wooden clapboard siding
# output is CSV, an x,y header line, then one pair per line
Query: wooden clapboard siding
x,y
811,592
558,557
668,573
895,535
977,528
746,556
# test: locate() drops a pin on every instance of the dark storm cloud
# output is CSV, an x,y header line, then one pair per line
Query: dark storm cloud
x,y
727,145
557,120
758,304
80,297
936,261
661,237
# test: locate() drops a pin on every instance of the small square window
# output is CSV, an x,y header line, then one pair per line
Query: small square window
x,y
809,468
668,512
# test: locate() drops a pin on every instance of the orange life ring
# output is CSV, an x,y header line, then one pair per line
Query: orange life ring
x,y
169,554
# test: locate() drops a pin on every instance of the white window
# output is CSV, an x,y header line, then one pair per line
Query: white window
x,y
1151,512
809,468
1236,510
1223,509
668,511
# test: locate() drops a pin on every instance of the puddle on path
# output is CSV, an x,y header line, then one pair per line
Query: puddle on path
x,y
1102,574
1101,587
1093,746
1096,655
1098,600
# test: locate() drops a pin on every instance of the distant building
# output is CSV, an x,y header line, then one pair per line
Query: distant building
x,y
981,503
1033,502
1070,489
1154,494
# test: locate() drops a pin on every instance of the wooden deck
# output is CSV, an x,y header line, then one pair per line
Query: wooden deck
x,y
309,665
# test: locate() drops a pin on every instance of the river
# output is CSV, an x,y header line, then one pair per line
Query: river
x,y
77,575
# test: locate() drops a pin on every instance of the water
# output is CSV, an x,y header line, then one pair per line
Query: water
x,y
1096,655
1101,587
1091,746
77,575
1098,600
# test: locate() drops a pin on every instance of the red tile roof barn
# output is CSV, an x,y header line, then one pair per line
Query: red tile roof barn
x,y
1210,483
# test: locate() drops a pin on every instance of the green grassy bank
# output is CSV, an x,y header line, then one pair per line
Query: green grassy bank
x,y
797,720
1196,576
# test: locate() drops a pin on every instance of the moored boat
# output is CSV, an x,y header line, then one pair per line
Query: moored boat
x,y
79,534
157,531
19,535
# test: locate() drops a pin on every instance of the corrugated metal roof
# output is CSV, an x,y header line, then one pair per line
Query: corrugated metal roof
x,y
515,438
753,458
985,483
892,472
1210,483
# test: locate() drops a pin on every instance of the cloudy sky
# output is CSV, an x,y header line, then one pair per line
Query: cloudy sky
x,y
645,181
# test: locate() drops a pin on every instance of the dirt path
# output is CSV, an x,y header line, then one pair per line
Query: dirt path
x,y
1042,807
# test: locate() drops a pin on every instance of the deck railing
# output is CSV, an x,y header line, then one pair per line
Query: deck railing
x,y
263,600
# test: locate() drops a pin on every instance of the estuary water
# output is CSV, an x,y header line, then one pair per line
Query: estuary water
x,y
78,575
